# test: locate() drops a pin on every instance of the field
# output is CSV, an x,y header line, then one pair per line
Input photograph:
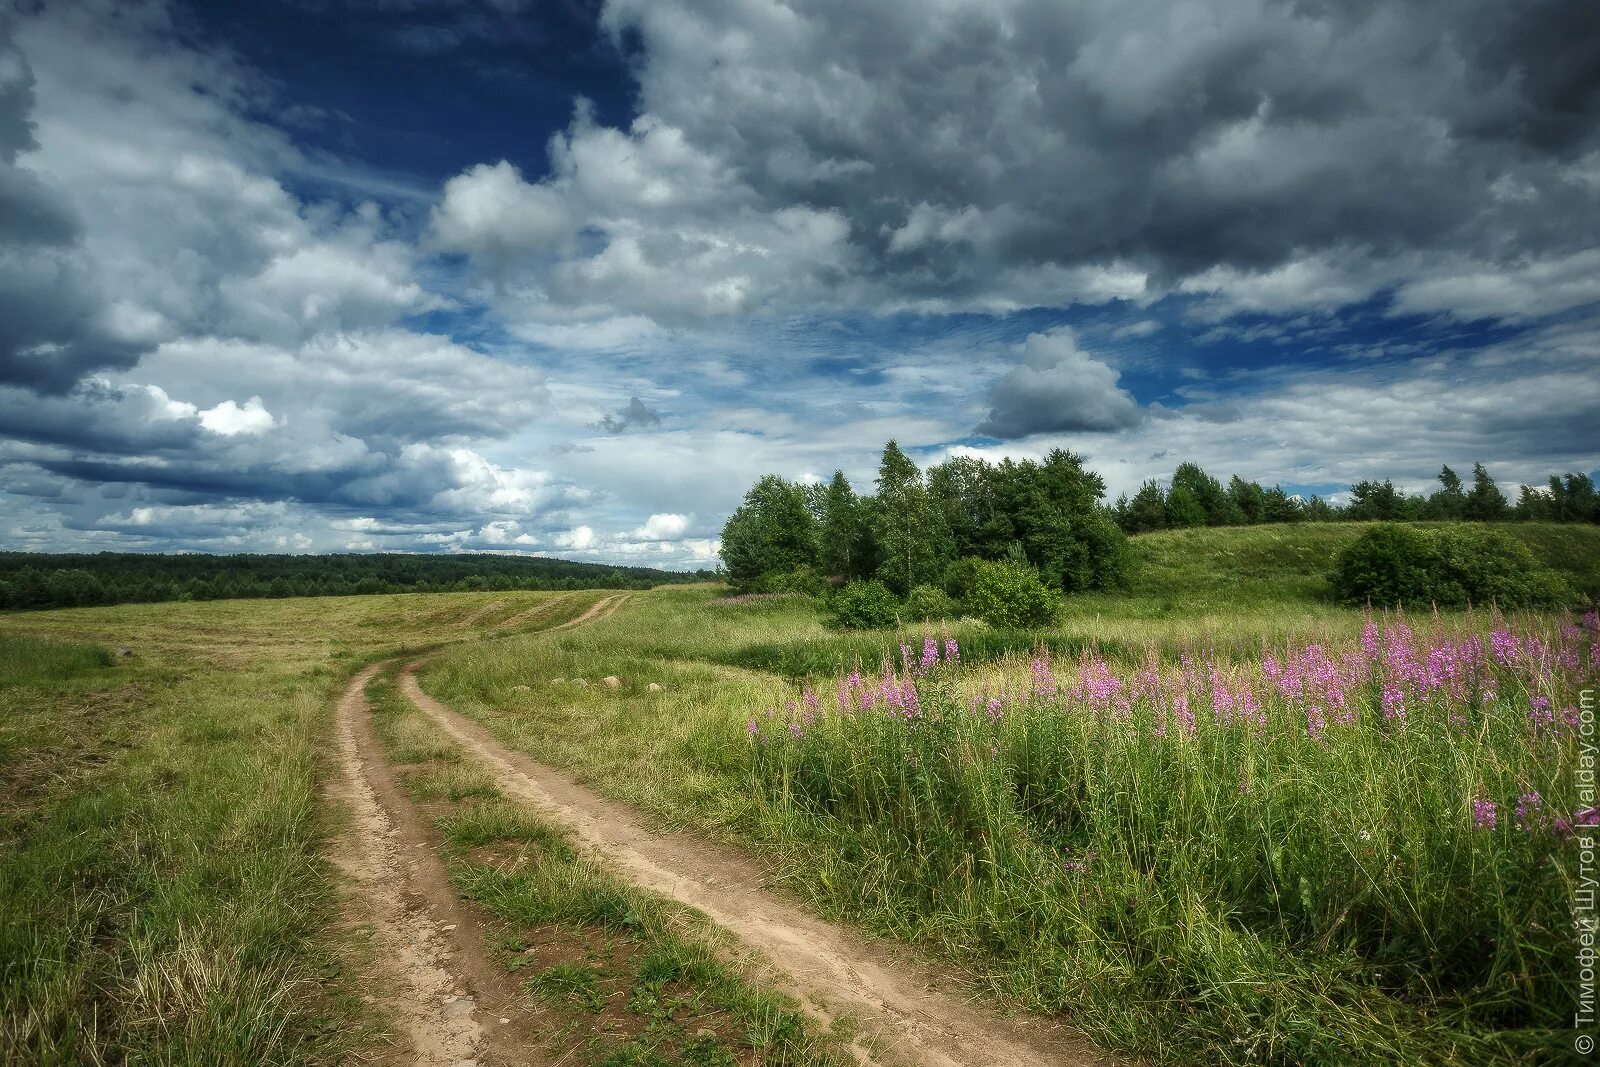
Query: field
x,y
1216,819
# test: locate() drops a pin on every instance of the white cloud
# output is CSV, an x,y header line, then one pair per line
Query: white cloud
x,y
663,526
230,419
578,539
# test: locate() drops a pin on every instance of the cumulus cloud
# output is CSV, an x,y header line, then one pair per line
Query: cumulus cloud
x,y
663,526
1057,388
229,418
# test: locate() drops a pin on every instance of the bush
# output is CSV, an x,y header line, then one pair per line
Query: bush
x,y
1390,564
1387,565
1004,594
1477,565
928,603
960,576
864,606
801,580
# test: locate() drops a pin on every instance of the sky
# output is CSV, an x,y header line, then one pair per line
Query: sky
x,y
566,276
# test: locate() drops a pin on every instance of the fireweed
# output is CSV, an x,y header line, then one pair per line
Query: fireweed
x,y
1382,829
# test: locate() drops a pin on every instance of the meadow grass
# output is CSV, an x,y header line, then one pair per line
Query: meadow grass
x,y
625,978
1282,901
163,896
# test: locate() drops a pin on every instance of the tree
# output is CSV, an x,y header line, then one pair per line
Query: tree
x,y
773,531
1377,500
1147,510
913,534
1485,503
1450,502
1278,506
842,536
1184,509
1219,508
1249,499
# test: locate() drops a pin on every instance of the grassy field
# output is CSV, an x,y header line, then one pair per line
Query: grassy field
x,y
1155,819
1309,888
162,893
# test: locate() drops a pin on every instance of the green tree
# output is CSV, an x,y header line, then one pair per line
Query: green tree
x,y
772,531
1249,498
1485,503
1450,502
1184,509
913,534
1371,500
1219,508
1147,510
1278,506
843,546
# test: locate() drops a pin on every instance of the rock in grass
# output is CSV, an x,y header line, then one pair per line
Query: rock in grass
x,y
558,681
579,681
519,689
611,681
654,687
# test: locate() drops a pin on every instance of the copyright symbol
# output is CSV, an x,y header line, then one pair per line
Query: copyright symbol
x,y
1584,1044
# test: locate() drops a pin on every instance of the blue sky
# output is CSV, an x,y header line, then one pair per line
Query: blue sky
x,y
564,278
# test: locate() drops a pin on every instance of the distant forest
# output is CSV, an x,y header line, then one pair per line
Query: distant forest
x,y
1195,498
35,580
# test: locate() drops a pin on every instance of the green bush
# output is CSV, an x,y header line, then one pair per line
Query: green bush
x,y
802,580
927,603
1004,594
864,606
1391,564
1479,565
959,577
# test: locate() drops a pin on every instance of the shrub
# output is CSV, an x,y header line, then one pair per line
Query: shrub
x,y
1390,564
864,605
1387,565
1004,594
928,602
960,576
1477,565
802,580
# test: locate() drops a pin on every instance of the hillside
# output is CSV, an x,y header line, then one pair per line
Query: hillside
x,y
1291,561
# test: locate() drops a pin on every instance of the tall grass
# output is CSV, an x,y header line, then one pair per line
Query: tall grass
x,y
1326,856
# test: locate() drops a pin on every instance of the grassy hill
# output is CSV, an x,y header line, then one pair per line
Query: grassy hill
x,y
1290,562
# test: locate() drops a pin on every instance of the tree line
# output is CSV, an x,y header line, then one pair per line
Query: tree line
x,y
37,580
1047,515
1195,498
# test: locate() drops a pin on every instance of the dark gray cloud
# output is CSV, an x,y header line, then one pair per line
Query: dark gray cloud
x,y
1032,153
1057,388
54,324
637,415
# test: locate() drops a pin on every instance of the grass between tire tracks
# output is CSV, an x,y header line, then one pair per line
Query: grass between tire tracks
x,y
618,977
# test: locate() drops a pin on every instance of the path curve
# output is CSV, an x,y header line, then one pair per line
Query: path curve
x,y
914,1014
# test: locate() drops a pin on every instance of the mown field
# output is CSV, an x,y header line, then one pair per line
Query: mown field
x,y
1214,819
163,895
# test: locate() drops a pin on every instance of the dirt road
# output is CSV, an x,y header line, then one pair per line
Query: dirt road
x,y
903,1013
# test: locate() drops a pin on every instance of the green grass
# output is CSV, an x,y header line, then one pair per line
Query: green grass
x,y
1169,949
623,976
1185,571
163,896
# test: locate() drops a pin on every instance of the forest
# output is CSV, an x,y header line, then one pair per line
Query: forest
x,y
34,580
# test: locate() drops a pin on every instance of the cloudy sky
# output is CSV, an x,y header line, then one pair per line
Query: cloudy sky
x,y
565,276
